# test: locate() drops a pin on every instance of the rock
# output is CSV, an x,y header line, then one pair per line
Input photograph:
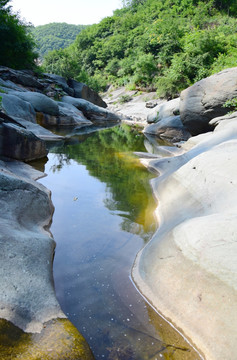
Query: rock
x,y
169,108
151,104
19,143
70,115
31,320
223,119
39,131
92,112
20,77
205,99
165,109
61,81
82,91
14,106
153,116
8,85
188,270
40,102
170,128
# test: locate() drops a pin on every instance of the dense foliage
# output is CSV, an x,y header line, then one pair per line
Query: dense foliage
x,y
16,41
55,36
153,44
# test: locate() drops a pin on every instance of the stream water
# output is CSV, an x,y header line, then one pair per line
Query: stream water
x,y
103,217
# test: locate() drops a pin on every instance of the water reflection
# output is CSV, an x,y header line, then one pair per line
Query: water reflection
x,y
103,216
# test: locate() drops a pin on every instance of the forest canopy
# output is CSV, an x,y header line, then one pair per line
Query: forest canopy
x,y
162,45
54,36
17,44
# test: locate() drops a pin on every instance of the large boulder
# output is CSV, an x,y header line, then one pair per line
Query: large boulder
x,y
14,106
170,128
84,92
205,99
92,112
40,102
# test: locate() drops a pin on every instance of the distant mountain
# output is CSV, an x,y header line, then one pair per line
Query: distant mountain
x,y
55,36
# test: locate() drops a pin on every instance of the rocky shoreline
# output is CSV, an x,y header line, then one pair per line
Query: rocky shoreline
x,y
187,271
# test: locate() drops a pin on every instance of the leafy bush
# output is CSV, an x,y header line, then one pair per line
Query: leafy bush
x,y
16,41
231,104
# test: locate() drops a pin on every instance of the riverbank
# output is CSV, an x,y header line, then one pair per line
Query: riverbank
x,y
188,270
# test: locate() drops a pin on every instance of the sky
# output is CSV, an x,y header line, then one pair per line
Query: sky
x,y
79,12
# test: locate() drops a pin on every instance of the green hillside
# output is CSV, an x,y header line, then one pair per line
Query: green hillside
x,y
55,36
164,45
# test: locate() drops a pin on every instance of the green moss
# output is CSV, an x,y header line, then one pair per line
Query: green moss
x,y
59,340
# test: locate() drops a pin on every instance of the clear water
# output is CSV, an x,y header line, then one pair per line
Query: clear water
x,y
103,217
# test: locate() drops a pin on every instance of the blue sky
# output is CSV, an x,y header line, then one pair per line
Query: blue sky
x,y
69,11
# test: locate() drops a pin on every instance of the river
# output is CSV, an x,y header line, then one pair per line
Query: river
x,y
103,216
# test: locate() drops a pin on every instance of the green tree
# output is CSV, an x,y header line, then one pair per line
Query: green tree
x,y
16,41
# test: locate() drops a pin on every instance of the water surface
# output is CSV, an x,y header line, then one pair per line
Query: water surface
x,y
103,217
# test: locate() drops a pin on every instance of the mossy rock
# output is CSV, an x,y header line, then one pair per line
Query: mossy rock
x,y
59,340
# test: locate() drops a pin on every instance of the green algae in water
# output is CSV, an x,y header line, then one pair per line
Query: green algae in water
x,y
59,340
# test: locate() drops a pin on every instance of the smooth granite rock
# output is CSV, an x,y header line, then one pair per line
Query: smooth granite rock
x,y
40,102
81,90
33,320
204,100
14,106
188,270
70,115
20,77
92,112
19,143
170,128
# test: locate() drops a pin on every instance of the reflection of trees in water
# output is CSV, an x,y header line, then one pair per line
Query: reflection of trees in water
x,y
107,156
62,161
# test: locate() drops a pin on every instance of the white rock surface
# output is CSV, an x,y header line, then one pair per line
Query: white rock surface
x,y
188,271
27,296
